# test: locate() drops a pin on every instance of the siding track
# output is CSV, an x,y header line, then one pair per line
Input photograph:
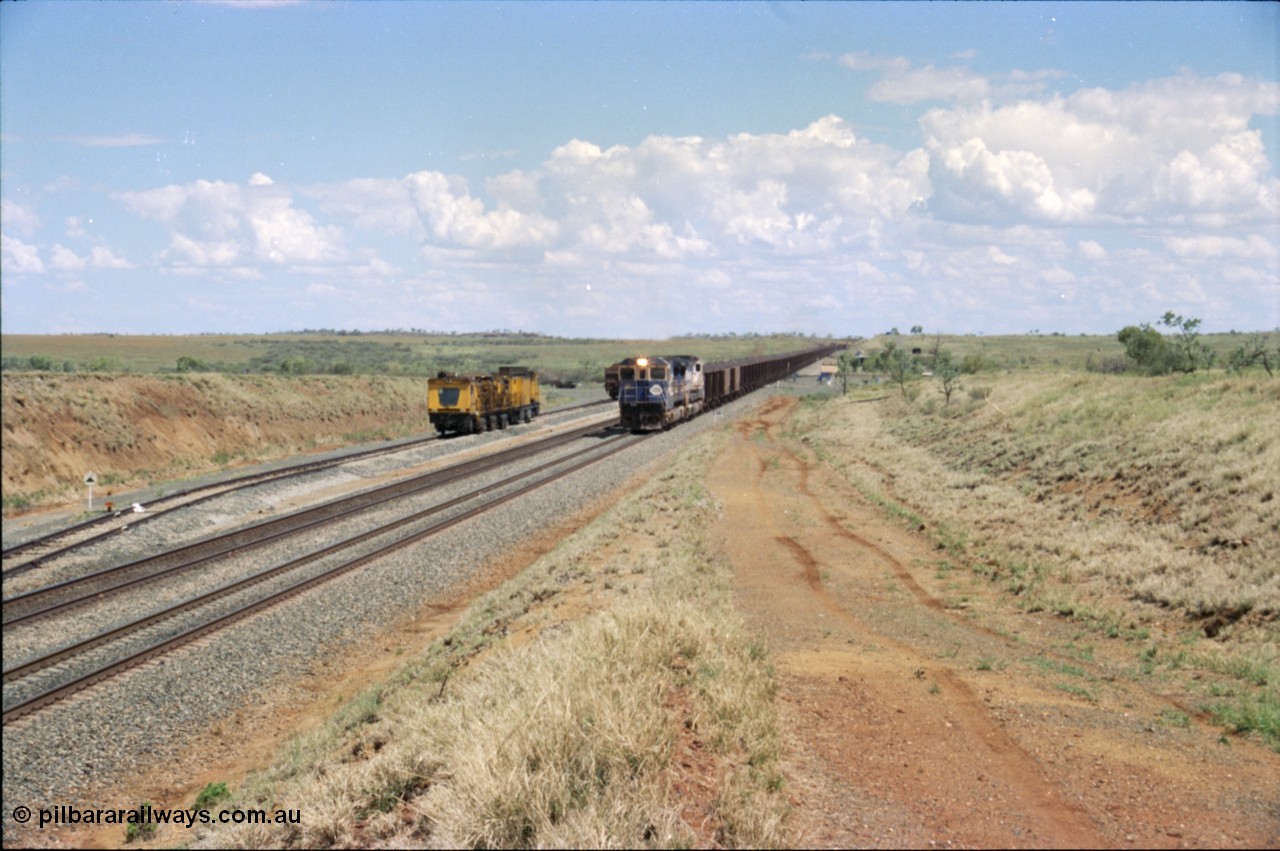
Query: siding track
x,y
46,677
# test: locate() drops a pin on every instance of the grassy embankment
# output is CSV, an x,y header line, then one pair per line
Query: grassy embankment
x,y
1123,503
609,696
136,431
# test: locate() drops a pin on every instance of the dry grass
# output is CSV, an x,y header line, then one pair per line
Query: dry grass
x,y
1121,502
136,430
1163,490
647,723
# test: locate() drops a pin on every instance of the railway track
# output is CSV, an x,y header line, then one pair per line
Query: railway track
x,y
37,552
50,676
97,586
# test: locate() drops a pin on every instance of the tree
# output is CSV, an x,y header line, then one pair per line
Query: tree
x,y
1146,347
1158,354
898,363
1191,352
947,373
917,329
845,364
1254,351
935,350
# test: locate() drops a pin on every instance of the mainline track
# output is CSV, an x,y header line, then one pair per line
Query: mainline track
x,y
50,546
93,587
541,476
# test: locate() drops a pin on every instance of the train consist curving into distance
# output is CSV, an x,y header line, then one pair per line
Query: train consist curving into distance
x,y
655,392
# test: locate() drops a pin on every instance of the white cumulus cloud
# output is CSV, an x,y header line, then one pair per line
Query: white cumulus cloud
x,y
1092,249
1163,150
217,223
18,218
1254,246
18,257
63,259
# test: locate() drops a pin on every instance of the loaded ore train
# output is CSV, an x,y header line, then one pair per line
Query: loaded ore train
x,y
656,392
653,392
475,403
611,376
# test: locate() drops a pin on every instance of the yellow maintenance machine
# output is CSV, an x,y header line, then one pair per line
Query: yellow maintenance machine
x,y
474,403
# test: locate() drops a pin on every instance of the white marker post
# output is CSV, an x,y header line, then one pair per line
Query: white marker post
x,y
91,479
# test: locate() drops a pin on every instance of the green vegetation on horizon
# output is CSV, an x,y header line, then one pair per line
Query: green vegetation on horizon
x,y
419,353
405,353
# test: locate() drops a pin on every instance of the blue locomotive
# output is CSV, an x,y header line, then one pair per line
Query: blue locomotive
x,y
655,392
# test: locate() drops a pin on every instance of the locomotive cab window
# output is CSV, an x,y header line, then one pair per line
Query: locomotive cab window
x,y
627,373
449,396
658,373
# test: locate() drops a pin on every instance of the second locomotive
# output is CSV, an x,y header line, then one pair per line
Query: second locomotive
x,y
474,403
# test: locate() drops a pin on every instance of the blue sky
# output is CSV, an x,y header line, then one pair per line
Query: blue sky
x,y
615,169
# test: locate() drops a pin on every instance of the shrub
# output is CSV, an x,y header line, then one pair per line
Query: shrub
x,y
140,829
1146,347
104,364
1254,351
1190,353
211,795
1116,365
947,373
978,394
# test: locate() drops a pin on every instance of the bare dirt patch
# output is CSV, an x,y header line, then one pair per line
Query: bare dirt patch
x,y
921,710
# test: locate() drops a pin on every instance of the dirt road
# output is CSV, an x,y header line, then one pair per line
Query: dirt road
x,y
924,711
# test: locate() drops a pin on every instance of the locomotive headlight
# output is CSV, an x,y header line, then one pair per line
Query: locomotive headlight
x,y
642,362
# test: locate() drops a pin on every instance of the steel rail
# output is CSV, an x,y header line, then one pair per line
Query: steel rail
x,y
216,489
52,695
35,604
30,667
